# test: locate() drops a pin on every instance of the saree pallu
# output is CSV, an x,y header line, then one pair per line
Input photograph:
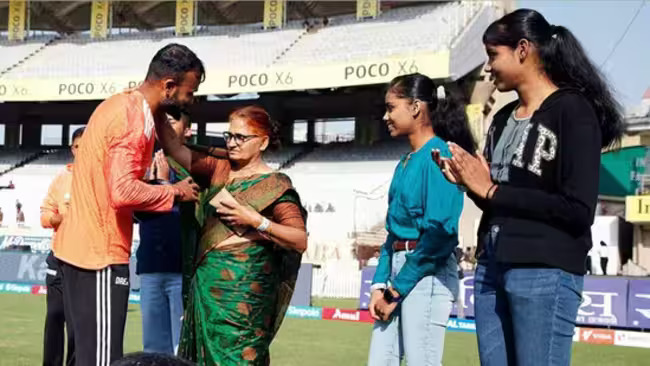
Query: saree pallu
x,y
238,294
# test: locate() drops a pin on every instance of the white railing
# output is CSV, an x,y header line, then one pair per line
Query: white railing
x,y
337,279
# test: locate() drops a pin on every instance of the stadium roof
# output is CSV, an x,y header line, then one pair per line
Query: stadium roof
x,y
72,16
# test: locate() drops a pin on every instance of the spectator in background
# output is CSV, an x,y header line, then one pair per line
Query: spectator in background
x,y
9,186
603,252
2,216
159,262
20,215
53,210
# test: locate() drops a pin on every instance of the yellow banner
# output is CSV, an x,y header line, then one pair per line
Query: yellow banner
x,y
637,208
375,71
273,14
184,17
367,9
17,14
71,89
280,78
99,19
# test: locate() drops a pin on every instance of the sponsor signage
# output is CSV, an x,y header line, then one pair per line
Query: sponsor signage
x,y
274,14
632,339
367,9
20,267
604,302
15,288
277,78
134,297
347,315
609,302
67,89
465,296
37,243
304,312
17,15
637,208
597,336
39,290
184,17
638,304
461,325
31,268
367,274
99,19
302,292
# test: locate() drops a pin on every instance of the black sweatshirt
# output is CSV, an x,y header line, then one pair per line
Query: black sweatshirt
x,y
546,210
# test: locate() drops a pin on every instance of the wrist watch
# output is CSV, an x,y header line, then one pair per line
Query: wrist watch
x,y
389,297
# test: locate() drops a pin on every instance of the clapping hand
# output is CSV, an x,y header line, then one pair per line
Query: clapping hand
x,y
470,170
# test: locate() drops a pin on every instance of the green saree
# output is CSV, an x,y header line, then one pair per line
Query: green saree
x,y
236,295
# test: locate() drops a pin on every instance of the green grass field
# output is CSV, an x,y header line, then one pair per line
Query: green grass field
x,y
300,341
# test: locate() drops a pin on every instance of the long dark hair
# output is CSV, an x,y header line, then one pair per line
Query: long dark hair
x,y
447,115
564,61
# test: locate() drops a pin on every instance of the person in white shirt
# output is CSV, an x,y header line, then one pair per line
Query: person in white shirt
x,y
603,252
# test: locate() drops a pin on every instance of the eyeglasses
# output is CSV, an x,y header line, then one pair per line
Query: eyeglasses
x,y
238,137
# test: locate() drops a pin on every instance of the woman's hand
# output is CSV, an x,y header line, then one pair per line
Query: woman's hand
x,y
374,298
383,309
235,214
472,171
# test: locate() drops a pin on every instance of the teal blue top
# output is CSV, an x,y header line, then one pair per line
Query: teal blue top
x,y
423,206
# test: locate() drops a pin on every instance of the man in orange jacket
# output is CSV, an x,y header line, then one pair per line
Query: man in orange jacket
x,y
94,241
53,210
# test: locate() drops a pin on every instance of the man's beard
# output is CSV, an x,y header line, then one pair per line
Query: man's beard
x,y
171,102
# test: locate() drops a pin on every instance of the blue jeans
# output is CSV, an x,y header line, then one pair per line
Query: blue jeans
x,y
524,315
161,303
416,329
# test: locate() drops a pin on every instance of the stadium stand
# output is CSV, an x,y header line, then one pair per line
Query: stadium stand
x,y
14,54
14,158
220,47
353,180
278,159
397,32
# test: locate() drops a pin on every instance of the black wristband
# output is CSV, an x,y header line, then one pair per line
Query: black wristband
x,y
487,195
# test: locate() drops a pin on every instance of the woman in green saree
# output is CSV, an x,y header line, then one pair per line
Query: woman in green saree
x,y
241,269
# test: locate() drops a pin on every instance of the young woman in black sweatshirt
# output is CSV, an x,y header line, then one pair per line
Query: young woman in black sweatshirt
x,y
537,185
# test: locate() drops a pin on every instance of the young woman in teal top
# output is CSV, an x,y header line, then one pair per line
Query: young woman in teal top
x,y
417,279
